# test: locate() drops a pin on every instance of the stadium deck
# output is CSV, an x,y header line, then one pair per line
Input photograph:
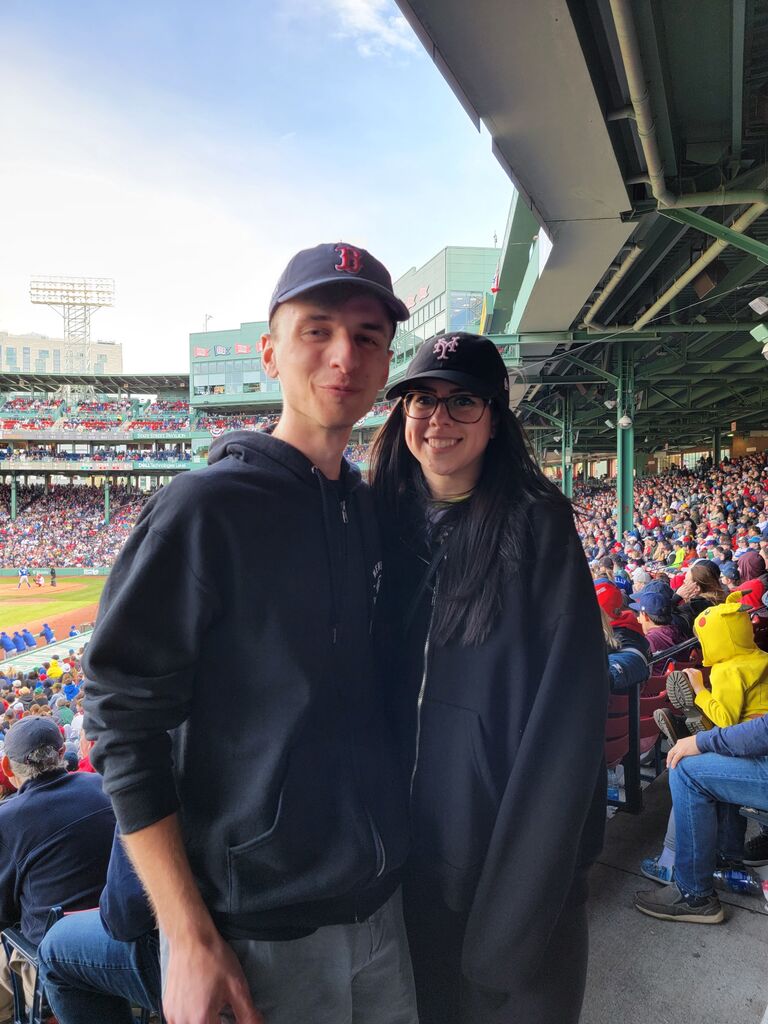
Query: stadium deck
x,y
645,970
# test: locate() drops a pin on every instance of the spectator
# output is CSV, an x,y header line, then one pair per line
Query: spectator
x,y
56,819
706,794
654,610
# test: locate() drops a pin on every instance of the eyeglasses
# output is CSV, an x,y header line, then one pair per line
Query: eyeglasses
x,y
421,405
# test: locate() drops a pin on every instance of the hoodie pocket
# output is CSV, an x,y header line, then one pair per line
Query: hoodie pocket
x,y
318,846
455,800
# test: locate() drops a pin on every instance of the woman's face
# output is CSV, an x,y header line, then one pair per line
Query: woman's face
x,y
450,453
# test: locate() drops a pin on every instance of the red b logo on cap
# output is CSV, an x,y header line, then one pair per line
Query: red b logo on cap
x,y
350,259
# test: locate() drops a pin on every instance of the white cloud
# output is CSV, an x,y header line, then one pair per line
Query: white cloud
x,y
377,28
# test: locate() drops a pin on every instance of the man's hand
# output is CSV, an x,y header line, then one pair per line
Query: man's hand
x,y
695,678
204,979
685,747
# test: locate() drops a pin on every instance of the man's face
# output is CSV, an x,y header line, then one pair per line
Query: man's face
x,y
332,358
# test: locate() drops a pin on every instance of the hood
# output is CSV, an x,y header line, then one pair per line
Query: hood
x,y
627,620
751,565
256,445
724,631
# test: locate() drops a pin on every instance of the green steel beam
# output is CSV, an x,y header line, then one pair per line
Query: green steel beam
x,y
716,444
14,498
725,234
571,357
106,501
566,446
625,442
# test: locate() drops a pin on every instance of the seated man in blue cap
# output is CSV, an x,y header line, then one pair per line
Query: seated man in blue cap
x,y
55,838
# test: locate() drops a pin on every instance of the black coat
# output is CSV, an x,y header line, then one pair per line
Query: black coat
x,y
508,798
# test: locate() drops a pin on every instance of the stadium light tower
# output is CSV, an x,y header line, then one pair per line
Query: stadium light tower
x,y
74,299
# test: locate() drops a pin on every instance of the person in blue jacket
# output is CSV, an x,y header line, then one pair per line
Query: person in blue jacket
x,y
6,643
732,770
48,633
18,642
73,631
27,637
98,964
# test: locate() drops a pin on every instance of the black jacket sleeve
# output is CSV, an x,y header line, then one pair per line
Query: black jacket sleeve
x,y
549,827
140,663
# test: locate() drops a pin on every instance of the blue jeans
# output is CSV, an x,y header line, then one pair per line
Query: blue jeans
x,y
707,791
90,978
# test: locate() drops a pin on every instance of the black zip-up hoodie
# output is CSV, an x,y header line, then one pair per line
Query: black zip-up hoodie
x,y
231,678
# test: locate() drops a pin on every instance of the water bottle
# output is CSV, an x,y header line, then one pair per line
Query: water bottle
x,y
615,782
742,882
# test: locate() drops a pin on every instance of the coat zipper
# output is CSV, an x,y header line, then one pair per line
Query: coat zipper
x,y
423,686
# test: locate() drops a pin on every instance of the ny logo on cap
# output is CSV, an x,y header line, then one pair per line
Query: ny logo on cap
x,y
350,260
445,345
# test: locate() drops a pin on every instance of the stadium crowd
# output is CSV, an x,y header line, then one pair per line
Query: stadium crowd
x,y
66,526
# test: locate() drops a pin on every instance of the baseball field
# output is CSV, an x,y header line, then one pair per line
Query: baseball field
x,y
74,600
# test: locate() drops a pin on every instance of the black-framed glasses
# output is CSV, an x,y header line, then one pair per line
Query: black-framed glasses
x,y
464,408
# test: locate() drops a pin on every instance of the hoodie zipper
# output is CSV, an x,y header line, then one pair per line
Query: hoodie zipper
x,y
423,687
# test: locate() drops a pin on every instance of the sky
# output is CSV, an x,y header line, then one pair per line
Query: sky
x,y
188,149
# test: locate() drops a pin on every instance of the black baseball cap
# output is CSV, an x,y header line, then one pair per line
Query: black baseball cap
x,y
334,263
470,360
30,734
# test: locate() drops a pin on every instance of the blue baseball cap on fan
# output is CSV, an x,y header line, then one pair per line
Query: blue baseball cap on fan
x,y
656,603
333,264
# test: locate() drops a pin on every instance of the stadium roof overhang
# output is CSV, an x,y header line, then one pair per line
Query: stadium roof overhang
x,y
102,383
632,195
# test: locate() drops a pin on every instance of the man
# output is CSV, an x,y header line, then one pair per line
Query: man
x,y
55,836
706,794
24,577
298,831
96,965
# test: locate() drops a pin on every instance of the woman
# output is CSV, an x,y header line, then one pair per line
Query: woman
x,y
502,669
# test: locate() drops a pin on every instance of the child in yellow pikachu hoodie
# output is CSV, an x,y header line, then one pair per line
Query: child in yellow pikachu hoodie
x,y
738,669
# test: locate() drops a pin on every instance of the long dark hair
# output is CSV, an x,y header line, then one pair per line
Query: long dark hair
x,y
487,533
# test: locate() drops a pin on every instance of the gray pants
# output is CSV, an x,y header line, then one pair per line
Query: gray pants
x,y
341,974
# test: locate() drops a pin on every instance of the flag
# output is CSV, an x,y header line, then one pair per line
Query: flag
x,y
242,350
495,285
199,351
220,350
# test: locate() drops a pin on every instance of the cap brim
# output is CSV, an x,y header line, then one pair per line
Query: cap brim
x,y
396,306
476,386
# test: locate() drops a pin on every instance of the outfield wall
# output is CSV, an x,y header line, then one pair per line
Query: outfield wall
x,y
77,570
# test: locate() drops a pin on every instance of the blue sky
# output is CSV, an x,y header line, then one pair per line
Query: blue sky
x,y
188,149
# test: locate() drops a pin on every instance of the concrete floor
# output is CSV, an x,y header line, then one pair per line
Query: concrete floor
x,y
645,971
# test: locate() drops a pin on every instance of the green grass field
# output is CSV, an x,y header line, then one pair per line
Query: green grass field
x,y
69,598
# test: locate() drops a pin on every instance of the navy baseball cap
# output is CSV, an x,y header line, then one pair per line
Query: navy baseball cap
x,y
30,734
337,263
653,603
729,570
470,360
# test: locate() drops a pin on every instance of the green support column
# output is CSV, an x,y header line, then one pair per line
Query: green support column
x,y
566,451
625,443
716,445
106,500
585,471
13,498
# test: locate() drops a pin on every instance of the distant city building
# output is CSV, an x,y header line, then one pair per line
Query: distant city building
x,y
36,353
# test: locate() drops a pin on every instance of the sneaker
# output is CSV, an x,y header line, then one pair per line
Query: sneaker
x,y
651,868
756,850
666,724
680,691
671,905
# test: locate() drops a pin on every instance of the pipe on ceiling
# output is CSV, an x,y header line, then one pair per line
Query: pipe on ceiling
x,y
740,225
640,99
618,277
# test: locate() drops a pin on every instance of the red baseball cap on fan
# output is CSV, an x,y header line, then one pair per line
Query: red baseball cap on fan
x,y
610,599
